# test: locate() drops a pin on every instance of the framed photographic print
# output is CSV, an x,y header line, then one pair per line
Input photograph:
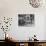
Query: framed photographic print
x,y
25,19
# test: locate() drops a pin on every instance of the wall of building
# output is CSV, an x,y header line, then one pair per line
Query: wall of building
x,y
11,8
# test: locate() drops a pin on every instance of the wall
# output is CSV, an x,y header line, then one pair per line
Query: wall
x,y
11,8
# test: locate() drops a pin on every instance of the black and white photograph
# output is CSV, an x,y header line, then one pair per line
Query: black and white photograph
x,y
25,19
